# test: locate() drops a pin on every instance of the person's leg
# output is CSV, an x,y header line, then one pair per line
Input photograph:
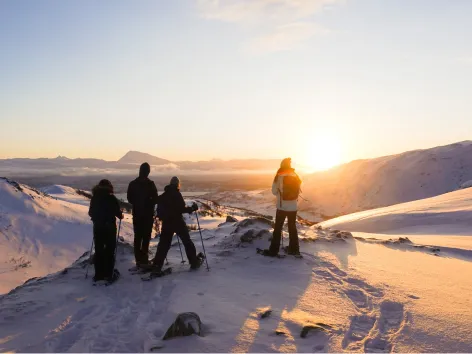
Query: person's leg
x,y
146,239
190,251
98,258
276,236
164,244
293,245
110,246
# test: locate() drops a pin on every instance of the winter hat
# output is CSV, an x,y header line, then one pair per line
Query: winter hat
x,y
175,181
144,170
286,163
104,184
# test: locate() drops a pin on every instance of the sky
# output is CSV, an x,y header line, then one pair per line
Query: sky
x,y
323,81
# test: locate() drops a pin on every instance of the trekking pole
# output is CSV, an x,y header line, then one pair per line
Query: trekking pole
x,y
180,248
201,236
116,247
90,258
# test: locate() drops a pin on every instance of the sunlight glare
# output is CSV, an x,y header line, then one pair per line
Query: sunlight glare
x,y
322,153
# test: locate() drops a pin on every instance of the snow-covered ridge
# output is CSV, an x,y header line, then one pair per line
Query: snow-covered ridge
x,y
448,214
40,233
373,183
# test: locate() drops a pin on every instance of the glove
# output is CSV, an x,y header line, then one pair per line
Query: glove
x,y
194,207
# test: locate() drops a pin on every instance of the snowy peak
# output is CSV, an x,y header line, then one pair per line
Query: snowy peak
x,y
389,180
136,157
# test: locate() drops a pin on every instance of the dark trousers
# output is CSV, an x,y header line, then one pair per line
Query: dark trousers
x,y
169,227
142,236
292,231
104,237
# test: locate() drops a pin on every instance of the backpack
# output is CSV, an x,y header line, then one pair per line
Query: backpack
x,y
291,187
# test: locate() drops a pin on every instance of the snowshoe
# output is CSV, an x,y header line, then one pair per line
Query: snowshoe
x,y
296,254
267,253
107,280
198,264
157,274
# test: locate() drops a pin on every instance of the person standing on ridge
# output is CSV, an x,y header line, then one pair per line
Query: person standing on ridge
x,y
171,206
286,187
142,195
104,208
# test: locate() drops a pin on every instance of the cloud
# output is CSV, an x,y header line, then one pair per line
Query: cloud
x,y
279,24
285,37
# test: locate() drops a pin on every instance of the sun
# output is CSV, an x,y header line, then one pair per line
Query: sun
x,y
322,154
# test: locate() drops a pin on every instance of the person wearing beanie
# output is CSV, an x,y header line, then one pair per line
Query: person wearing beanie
x,y
142,195
286,187
171,206
104,209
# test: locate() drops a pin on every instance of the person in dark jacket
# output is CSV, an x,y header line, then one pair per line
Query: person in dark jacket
x,y
142,195
171,206
104,209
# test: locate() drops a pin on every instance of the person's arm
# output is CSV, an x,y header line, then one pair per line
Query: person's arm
x,y
91,207
130,193
182,207
116,208
275,186
154,194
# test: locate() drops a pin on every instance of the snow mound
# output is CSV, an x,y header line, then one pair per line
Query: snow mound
x,y
38,234
67,194
445,214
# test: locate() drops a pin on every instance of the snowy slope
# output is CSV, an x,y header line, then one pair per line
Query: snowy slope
x,y
367,297
40,234
66,193
384,181
450,213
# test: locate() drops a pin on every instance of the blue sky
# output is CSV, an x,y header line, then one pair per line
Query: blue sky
x,y
201,79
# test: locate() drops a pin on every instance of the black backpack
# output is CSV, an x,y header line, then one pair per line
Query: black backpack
x,y
291,187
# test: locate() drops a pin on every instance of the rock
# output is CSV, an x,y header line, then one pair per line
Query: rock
x,y
318,327
344,235
436,250
280,333
248,236
264,233
229,218
186,324
266,313
254,221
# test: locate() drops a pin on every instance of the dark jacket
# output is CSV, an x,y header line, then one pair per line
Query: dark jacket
x,y
104,207
142,194
172,203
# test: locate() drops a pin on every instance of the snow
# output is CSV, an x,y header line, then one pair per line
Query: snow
x,y
40,234
67,194
389,180
366,293
447,214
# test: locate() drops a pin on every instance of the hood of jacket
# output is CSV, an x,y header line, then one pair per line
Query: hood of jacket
x,y
101,191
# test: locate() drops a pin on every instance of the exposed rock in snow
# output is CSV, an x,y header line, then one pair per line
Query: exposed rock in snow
x,y
186,324
229,218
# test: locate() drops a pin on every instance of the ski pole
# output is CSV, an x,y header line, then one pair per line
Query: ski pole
x,y
180,248
201,236
116,247
90,258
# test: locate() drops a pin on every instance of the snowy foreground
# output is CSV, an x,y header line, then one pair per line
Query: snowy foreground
x,y
361,294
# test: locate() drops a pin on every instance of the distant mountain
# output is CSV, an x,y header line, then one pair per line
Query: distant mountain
x,y
389,180
137,157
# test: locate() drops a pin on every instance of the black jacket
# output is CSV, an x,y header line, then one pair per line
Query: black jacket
x,y
172,204
104,207
142,194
